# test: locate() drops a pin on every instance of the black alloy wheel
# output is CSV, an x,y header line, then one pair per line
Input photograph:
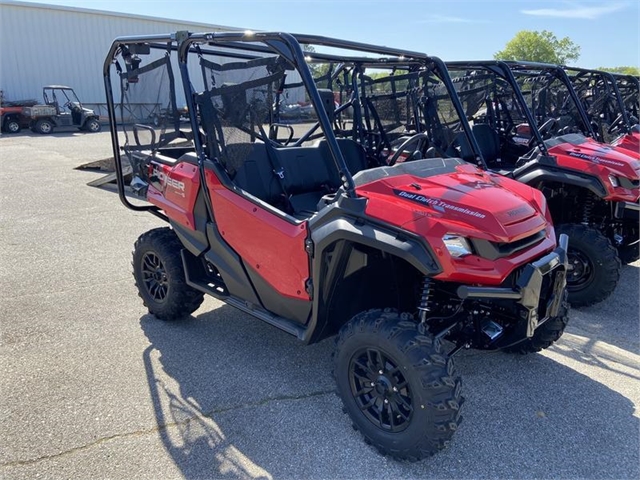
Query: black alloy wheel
x,y
581,272
155,277
399,388
380,390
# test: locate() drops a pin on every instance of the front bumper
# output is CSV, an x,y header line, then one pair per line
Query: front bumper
x,y
628,211
536,304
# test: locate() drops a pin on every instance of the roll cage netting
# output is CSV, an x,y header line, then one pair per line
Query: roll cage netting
x,y
236,105
488,98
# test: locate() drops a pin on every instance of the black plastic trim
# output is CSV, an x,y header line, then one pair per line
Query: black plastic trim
x,y
627,211
528,292
493,250
424,168
343,223
543,175
230,267
291,308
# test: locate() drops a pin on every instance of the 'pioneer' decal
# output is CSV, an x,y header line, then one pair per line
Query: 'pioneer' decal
x,y
437,204
594,159
166,181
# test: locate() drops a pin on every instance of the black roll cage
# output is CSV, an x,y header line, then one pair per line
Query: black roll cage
x,y
626,122
559,73
632,79
285,44
503,70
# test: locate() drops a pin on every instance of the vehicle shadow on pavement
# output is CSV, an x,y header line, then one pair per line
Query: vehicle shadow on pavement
x,y
236,398
55,134
614,321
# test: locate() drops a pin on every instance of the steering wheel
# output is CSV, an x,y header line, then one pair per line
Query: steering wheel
x,y
615,124
420,140
547,126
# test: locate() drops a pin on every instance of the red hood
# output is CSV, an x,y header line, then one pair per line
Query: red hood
x,y
618,161
467,202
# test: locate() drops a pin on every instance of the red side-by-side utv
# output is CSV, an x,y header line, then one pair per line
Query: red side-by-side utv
x,y
405,262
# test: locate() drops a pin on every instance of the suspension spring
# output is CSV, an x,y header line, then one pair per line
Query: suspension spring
x,y
426,299
587,209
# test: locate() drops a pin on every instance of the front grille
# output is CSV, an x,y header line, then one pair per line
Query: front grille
x,y
495,250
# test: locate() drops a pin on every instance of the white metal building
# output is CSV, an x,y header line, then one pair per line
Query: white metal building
x,y
45,44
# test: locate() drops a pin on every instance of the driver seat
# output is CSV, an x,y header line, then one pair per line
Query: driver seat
x,y
488,141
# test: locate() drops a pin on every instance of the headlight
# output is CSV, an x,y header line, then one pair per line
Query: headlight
x,y
458,246
614,181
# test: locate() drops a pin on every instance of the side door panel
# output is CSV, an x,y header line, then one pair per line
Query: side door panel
x,y
270,245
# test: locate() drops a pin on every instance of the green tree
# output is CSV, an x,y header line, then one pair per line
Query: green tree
x,y
624,70
544,46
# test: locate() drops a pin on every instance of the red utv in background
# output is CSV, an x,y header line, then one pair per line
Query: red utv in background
x,y
12,118
592,189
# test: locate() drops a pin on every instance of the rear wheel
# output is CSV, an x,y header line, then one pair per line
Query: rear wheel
x,y
545,335
44,126
594,263
401,392
159,276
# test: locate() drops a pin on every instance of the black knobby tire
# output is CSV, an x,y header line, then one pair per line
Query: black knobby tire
x,y
419,383
159,276
545,335
11,125
595,266
44,126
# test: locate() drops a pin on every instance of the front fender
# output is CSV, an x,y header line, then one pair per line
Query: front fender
x,y
545,175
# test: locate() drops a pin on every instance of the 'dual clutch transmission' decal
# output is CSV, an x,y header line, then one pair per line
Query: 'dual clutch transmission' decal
x,y
436,203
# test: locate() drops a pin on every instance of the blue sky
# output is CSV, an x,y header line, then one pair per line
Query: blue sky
x,y
607,31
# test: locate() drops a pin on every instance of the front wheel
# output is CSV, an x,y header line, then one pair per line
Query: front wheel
x,y
92,125
594,265
401,392
159,275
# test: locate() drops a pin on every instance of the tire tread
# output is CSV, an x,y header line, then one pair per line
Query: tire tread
x,y
184,300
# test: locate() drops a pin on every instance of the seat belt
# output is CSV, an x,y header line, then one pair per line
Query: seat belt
x,y
277,169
